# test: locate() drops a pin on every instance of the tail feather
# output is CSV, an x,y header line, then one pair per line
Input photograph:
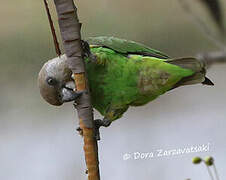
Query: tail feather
x,y
208,82
195,65
189,63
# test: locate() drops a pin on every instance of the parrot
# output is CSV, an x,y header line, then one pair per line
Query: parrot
x,y
121,73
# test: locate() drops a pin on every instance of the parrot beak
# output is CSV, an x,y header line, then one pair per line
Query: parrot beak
x,y
68,92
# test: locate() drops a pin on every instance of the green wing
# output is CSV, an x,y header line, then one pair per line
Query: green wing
x,y
125,47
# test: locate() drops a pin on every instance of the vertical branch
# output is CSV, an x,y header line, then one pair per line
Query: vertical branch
x,y
70,32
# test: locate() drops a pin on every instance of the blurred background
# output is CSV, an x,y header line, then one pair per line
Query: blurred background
x,y
39,141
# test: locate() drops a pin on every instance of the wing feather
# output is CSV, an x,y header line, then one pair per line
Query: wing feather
x,y
125,46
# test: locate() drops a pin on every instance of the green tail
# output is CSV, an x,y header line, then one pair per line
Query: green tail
x,y
196,66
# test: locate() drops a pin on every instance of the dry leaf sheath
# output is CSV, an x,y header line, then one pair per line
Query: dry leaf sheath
x,y
70,32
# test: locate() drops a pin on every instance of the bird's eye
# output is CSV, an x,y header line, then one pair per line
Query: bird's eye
x,y
51,81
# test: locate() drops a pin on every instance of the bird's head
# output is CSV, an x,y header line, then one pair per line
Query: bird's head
x,y
55,82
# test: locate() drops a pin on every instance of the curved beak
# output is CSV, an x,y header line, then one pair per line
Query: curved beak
x,y
68,92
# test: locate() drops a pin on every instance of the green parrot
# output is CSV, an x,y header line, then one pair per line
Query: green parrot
x,y
121,74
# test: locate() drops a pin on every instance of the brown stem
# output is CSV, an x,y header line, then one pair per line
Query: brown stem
x,y
211,58
57,47
70,32
90,143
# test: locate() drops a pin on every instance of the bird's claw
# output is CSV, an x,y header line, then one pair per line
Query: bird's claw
x,y
78,94
87,53
80,131
98,123
85,48
93,58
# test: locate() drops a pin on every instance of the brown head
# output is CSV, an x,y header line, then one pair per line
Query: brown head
x,y
55,82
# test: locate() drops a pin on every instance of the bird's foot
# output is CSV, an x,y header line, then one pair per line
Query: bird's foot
x,y
80,131
85,48
93,58
87,53
98,123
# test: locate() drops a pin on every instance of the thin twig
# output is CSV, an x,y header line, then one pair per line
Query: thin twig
x,y
216,173
202,26
208,58
214,6
56,43
211,58
210,173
